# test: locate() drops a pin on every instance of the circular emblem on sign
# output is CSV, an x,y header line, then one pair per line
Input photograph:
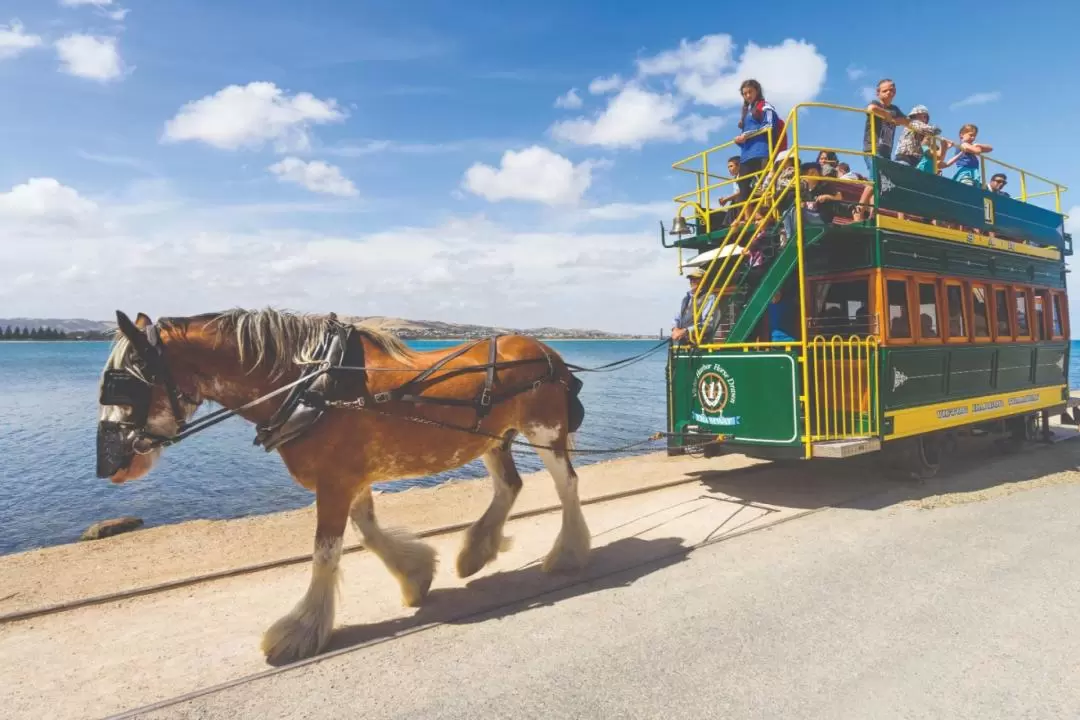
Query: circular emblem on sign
x,y
712,391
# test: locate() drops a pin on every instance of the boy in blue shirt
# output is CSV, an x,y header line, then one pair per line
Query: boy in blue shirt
x,y
967,155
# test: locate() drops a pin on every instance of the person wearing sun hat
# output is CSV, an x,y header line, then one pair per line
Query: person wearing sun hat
x,y
685,319
910,150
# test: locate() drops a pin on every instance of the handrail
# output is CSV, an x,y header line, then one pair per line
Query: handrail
x,y
705,175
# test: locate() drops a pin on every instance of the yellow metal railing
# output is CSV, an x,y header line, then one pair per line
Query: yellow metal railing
x,y
700,198
1056,188
843,375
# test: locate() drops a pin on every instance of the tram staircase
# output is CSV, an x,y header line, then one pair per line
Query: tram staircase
x,y
732,272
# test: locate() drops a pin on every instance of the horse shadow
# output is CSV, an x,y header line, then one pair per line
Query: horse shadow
x,y
618,564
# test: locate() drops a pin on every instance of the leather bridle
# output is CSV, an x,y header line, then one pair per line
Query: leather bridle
x,y
121,387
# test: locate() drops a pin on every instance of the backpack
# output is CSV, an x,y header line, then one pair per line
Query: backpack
x,y
780,135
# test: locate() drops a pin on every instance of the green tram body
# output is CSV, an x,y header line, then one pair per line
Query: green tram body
x,y
966,326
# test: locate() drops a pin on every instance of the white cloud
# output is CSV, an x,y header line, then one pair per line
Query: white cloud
x,y
182,261
316,176
14,40
77,3
981,98
535,174
656,104
570,101
602,85
705,56
634,117
45,200
249,116
87,56
790,73
855,73
867,93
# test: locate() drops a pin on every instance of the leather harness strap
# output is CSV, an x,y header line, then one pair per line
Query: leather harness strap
x,y
410,391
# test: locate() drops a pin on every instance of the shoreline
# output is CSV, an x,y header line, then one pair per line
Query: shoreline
x,y
164,553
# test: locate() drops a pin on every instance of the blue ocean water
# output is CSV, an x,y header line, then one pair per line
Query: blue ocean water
x,y
49,493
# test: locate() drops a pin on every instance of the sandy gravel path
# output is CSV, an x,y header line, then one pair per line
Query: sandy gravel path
x,y
106,658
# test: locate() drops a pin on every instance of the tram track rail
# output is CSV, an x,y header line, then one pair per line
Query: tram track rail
x,y
521,601
252,568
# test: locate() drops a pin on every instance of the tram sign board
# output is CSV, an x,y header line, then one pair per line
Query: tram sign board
x,y
749,397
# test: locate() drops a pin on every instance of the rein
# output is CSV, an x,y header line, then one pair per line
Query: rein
x,y
153,355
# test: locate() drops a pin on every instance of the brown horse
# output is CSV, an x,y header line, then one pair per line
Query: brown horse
x,y
385,412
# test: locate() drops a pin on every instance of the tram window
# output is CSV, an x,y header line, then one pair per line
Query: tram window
x,y
957,320
899,321
1058,331
979,311
1042,300
1001,311
1021,313
842,305
928,316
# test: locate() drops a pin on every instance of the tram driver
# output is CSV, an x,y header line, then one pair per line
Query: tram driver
x,y
685,319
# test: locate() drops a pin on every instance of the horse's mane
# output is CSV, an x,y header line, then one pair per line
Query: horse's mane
x,y
287,338
282,338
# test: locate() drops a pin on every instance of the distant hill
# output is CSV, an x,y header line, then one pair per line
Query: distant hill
x,y
68,325
407,329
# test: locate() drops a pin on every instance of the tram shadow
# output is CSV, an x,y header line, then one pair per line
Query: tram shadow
x,y
618,564
976,470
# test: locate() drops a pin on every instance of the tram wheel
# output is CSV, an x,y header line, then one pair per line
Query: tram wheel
x,y
915,458
1021,430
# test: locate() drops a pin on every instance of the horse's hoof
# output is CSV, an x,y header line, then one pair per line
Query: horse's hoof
x,y
478,553
570,553
415,590
294,638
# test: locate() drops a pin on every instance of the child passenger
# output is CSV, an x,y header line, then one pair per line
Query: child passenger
x,y
967,155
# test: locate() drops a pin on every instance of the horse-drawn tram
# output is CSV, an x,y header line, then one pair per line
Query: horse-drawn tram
x,y
839,313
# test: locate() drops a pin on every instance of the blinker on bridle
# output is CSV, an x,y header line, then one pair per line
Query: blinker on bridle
x,y
121,387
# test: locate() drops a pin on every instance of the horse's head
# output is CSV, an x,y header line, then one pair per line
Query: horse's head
x,y
142,404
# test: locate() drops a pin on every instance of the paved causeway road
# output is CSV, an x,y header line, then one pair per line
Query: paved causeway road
x,y
963,605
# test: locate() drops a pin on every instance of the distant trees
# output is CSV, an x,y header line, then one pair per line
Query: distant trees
x,y
41,333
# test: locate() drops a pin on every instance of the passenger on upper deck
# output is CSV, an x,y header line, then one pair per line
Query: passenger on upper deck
x,y
757,114
997,184
910,150
844,172
734,170
827,161
966,158
886,117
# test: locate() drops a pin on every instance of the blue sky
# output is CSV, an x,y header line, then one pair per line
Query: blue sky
x,y
357,157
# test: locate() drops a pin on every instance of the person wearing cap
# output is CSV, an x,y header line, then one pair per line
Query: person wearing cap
x,y
685,319
909,150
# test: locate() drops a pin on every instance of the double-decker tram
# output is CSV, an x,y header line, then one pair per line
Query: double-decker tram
x,y
847,313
